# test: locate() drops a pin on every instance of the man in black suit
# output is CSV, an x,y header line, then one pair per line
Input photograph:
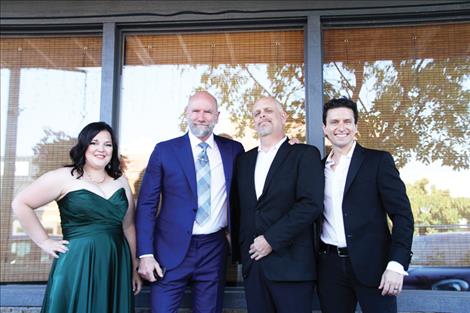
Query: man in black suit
x,y
277,195
360,258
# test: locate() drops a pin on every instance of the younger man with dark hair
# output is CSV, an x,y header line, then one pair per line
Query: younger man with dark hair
x,y
360,258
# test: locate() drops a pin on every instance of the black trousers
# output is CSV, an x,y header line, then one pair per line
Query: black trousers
x,y
339,290
266,296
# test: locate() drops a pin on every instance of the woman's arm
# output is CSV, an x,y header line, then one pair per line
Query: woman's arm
x,y
128,226
45,189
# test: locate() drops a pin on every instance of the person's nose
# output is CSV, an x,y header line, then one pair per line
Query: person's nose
x,y
200,117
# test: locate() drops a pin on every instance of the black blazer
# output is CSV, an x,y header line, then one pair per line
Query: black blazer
x,y
372,192
292,199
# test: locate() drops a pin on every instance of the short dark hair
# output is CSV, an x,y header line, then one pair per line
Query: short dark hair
x,y
340,103
77,153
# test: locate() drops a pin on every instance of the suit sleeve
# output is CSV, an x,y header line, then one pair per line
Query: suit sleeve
x,y
147,204
397,205
308,205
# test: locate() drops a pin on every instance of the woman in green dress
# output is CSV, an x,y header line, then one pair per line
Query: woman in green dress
x,y
94,269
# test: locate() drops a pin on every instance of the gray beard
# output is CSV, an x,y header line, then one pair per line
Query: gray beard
x,y
264,131
201,132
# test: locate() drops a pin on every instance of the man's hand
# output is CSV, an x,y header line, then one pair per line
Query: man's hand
x,y
260,248
147,265
229,239
294,141
391,283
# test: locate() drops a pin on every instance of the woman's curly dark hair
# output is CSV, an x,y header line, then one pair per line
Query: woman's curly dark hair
x,y
77,153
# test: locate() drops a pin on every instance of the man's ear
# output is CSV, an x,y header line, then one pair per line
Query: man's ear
x,y
284,116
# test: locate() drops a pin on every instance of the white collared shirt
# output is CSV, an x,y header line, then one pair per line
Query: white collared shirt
x,y
335,180
263,163
218,216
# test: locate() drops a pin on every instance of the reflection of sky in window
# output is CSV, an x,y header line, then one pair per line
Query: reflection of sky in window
x,y
154,97
335,73
61,100
152,100
465,83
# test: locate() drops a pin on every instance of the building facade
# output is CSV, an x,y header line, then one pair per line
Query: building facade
x,y
133,64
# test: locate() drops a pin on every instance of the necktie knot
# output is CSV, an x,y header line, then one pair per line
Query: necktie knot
x,y
203,146
202,157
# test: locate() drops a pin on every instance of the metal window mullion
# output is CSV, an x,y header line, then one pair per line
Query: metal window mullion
x,y
109,74
314,82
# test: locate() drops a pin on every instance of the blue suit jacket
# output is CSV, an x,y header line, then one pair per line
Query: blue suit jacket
x,y
170,177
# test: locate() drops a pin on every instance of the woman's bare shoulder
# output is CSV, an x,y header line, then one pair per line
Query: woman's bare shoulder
x,y
63,174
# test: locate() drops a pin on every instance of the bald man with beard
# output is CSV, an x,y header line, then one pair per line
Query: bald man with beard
x,y
277,195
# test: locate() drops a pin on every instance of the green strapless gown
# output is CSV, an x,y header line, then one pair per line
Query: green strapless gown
x,y
95,275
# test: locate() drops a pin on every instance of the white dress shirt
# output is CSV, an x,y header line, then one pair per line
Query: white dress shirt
x,y
218,215
333,226
335,180
263,163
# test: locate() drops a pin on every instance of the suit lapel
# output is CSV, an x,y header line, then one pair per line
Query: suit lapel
x,y
356,161
184,154
249,188
284,150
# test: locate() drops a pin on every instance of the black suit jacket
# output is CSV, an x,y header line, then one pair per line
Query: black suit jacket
x,y
292,199
373,191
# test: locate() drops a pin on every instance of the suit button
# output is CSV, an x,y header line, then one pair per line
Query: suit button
x,y
188,232
345,214
195,209
349,236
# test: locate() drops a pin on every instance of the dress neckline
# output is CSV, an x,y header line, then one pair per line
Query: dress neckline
x,y
93,193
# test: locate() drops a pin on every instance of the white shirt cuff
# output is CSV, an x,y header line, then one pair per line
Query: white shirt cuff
x,y
145,255
396,267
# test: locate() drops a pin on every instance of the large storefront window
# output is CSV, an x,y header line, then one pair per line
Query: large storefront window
x,y
412,86
50,89
161,71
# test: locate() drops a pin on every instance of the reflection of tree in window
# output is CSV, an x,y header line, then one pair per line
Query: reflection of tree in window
x,y
52,151
239,86
433,206
418,108
412,87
